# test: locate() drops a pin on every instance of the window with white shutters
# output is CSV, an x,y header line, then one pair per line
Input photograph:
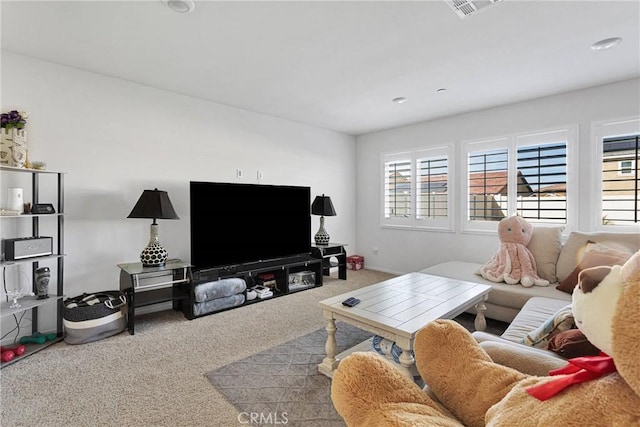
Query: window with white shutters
x,y
523,174
417,189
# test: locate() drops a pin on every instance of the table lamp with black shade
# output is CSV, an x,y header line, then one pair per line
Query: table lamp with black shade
x,y
154,204
322,206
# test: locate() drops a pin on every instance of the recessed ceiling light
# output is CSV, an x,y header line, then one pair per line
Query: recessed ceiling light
x,y
181,6
441,90
606,43
400,100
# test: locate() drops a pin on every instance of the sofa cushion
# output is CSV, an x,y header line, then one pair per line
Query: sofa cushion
x,y
570,254
596,254
502,294
534,312
545,246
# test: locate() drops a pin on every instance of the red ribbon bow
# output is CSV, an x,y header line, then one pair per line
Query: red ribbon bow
x,y
579,369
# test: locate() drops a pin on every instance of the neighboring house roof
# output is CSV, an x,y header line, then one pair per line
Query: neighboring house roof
x,y
434,183
495,183
488,183
479,183
554,188
626,145
398,177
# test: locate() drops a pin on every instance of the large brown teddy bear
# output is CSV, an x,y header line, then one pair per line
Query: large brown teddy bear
x,y
367,390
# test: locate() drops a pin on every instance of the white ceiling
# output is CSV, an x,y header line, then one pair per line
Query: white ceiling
x,y
337,64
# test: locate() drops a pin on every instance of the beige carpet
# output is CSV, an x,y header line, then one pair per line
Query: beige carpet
x,y
156,377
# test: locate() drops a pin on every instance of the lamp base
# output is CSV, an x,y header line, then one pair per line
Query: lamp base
x,y
154,255
322,237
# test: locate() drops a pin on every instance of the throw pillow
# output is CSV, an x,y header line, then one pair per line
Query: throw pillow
x,y
545,246
561,321
570,255
592,246
595,254
572,343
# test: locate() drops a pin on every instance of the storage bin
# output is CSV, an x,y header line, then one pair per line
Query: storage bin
x,y
301,280
355,262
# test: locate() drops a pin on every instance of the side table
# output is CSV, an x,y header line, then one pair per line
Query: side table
x,y
152,285
328,251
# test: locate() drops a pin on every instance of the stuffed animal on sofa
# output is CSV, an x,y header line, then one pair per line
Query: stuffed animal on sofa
x,y
513,263
368,390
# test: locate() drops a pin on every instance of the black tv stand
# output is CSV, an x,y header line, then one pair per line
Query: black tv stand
x,y
281,269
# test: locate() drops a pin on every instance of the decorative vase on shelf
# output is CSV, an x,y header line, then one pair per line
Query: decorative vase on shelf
x,y
13,147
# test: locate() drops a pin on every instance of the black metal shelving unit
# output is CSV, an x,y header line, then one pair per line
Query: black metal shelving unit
x,y
31,303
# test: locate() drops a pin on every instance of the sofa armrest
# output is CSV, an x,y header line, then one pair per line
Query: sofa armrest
x,y
528,360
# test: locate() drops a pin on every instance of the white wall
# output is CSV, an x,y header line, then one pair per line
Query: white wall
x,y
115,138
613,101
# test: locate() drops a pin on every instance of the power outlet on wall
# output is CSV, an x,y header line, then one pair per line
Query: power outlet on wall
x,y
239,173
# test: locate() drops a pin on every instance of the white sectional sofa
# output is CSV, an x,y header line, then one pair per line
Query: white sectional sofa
x,y
534,313
555,261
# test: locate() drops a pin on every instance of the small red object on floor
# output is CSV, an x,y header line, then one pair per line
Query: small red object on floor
x,y
355,262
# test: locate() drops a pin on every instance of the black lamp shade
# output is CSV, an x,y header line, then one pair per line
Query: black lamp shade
x,y
322,206
154,204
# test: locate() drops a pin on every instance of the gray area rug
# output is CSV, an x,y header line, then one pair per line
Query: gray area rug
x,y
282,385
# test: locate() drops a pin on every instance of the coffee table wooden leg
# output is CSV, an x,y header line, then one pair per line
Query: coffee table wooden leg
x,y
480,322
406,359
329,363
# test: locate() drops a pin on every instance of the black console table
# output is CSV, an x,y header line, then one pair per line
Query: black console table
x,y
328,251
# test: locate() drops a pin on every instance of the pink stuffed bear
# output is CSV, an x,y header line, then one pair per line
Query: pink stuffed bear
x,y
513,263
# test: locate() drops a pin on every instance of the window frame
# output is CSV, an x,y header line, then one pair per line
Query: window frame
x,y
512,142
599,131
412,222
622,171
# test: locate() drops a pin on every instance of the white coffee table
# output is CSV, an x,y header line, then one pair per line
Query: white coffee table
x,y
398,308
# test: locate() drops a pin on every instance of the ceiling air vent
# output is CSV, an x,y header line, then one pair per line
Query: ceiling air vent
x,y
466,8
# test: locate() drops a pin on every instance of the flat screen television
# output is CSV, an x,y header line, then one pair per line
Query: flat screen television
x,y
233,224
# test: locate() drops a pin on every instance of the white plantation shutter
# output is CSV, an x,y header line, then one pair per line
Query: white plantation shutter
x,y
417,189
432,186
398,186
488,185
618,181
543,197
528,175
